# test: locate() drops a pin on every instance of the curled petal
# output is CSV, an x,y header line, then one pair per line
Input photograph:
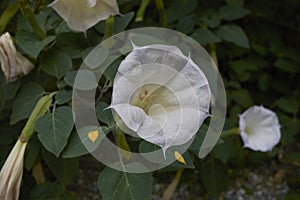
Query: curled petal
x,y
259,128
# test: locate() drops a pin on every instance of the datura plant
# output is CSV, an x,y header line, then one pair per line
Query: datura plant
x,y
83,14
161,94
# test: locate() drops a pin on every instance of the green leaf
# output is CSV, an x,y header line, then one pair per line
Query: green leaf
x,y
54,129
72,44
30,44
32,152
288,104
55,63
222,151
85,79
63,97
185,24
232,12
214,177
75,147
11,89
233,33
287,65
50,191
25,101
62,168
103,114
242,97
204,36
120,185
121,22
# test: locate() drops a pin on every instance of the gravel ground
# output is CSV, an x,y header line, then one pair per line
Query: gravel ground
x,y
263,183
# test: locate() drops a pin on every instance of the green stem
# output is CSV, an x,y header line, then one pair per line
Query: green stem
x,y
168,193
39,110
109,27
122,143
141,12
233,131
213,53
162,13
30,17
7,15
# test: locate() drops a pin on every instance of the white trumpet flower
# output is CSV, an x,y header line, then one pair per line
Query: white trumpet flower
x,y
161,95
81,15
11,173
14,65
259,128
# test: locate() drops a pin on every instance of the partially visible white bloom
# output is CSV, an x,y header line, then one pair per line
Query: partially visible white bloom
x,y
11,173
83,14
259,128
13,64
161,95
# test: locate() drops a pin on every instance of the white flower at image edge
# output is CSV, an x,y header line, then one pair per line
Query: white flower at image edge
x,y
13,64
81,15
259,128
11,173
161,95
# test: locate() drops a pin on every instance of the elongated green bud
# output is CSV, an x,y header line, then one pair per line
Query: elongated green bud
x,y
39,110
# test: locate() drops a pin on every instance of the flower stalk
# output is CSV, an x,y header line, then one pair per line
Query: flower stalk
x,y
162,13
168,193
141,11
7,15
109,27
28,14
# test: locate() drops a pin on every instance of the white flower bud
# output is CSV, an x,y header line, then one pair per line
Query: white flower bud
x,y
13,64
11,173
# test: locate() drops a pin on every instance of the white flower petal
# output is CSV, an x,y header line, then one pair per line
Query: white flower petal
x,y
168,87
259,128
83,14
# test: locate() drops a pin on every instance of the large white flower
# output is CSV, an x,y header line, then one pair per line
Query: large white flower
x,y
11,172
83,14
259,128
161,95
13,64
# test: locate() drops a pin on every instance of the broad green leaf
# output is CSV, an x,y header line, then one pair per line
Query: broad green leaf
x,y
214,177
50,191
72,44
64,169
54,129
287,65
12,89
25,101
55,63
233,33
232,12
222,151
185,24
288,104
121,22
75,147
147,147
63,97
294,156
70,78
32,152
120,185
242,97
104,115
199,138
30,44
85,80
210,18
204,36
